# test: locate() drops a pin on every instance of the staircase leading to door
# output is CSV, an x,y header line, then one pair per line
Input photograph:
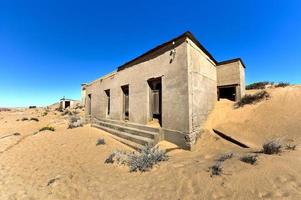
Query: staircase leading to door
x,y
133,135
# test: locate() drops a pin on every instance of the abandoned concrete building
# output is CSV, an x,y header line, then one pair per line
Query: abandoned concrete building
x,y
67,103
164,94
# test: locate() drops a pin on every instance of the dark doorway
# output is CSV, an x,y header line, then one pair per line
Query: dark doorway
x,y
227,93
108,101
126,101
155,85
67,104
89,99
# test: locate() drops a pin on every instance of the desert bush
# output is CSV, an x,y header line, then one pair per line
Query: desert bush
x,y
252,98
59,109
24,119
75,112
34,119
100,141
78,106
148,157
258,85
118,157
142,161
44,114
47,128
272,147
66,112
225,156
75,121
282,84
216,169
4,109
251,159
290,147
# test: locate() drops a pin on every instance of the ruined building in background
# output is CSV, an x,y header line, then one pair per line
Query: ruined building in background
x,y
164,94
68,103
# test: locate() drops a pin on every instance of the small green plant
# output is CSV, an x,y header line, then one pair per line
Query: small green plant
x,y
272,147
24,119
250,159
47,128
252,98
34,119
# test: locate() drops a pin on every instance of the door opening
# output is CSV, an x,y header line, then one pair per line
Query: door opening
x,y
89,99
227,93
67,104
108,101
126,112
155,85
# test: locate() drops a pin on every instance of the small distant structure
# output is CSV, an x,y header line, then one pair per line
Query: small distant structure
x,y
83,93
32,107
67,103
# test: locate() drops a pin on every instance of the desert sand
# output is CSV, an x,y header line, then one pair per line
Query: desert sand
x,y
67,163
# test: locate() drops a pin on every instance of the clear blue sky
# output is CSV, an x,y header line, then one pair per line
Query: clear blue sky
x,y
48,48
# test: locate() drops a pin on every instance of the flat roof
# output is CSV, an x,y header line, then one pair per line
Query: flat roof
x,y
232,61
187,34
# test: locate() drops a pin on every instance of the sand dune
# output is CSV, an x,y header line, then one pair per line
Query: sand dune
x,y
67,164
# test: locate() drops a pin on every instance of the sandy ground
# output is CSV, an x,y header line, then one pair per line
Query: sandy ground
x,y
67,163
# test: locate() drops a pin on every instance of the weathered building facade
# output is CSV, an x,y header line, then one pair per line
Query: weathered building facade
x,y
164,94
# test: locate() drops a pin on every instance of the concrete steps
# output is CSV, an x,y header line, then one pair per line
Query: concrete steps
x,y
132,135
127,124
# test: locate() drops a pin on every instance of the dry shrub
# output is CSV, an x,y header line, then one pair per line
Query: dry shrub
x,y
44,114
146,159
139,161
47,128
24,119
272,147
75,121
216,169
291,147
250,159
100,141
258,85
225,156
282,84
4,109
34,119
252,98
